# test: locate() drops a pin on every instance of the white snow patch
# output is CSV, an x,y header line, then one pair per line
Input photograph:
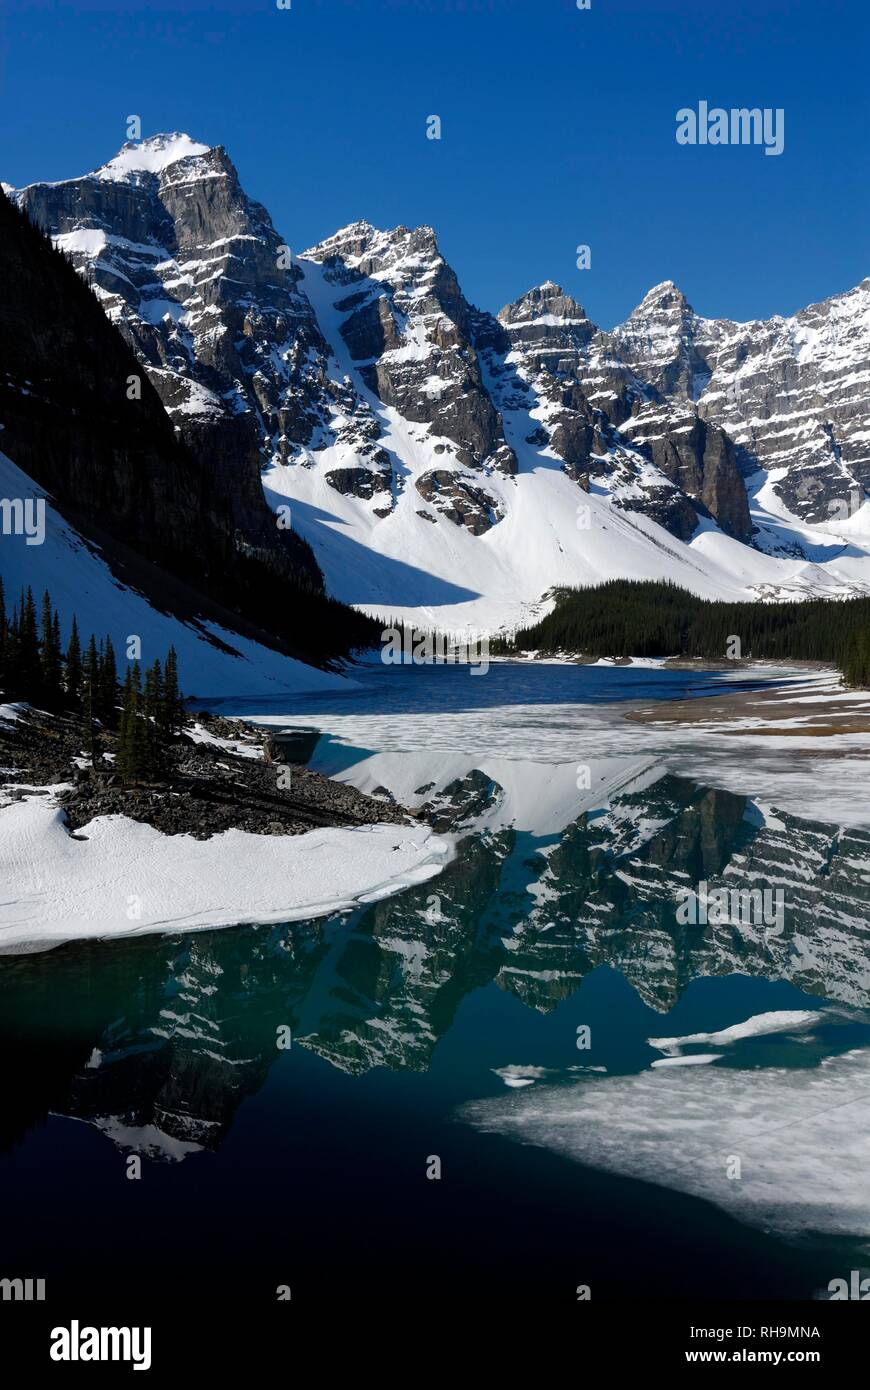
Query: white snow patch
x,y
800,1132
698,1059
516,1076
759,1025
57,888
149,156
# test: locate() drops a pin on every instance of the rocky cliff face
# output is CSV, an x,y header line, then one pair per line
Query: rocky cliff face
x,y
411,330
791,394
589,382
197,279
107,452
68,421
188,269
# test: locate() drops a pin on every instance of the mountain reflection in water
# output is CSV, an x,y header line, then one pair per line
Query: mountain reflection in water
x,y
157,1041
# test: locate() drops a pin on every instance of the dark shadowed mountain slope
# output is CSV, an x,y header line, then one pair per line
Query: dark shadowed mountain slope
x,y
121,476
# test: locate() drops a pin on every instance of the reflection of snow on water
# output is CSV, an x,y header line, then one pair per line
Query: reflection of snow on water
x,y
759,1026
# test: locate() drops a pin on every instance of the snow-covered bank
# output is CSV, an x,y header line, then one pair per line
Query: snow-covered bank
x,y
211,660
118,877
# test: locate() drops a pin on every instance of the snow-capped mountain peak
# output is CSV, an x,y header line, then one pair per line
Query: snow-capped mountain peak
x,y
546,303
151,155
664,296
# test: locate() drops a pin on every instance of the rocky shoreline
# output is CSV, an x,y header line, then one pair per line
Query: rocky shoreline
x,y
220,775
816,706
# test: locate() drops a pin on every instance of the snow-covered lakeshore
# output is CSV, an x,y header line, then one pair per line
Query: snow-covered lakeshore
x,y
765,730
114,876
87,860
117,877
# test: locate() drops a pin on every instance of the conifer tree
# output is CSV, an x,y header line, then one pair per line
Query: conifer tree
x,y
90,698
28,656
121,755
50,656
108,686
12,665
153,706
131,757
172,700
92,668
74,671
89,722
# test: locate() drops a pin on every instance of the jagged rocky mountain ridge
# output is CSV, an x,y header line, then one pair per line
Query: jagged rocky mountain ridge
x,y
186,266
447,463
580,376
791,393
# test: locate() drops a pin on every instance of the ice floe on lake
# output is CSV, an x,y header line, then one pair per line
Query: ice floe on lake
x,y
783,1148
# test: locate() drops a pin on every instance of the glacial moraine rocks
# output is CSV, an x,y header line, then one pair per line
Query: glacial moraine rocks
x,y
215,778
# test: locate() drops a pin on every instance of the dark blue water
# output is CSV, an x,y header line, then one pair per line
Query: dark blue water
x,y
444,688
307,1165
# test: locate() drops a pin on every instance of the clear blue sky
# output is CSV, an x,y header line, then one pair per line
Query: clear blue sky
x,y
558,129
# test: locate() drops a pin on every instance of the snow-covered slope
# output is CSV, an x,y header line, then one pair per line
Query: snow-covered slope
x,y
212,661
452,467
403,559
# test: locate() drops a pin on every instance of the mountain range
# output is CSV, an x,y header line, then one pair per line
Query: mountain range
x,y
450,465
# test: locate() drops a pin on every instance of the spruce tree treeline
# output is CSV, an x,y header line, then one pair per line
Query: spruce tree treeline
x,y
36,670
629,617
152,714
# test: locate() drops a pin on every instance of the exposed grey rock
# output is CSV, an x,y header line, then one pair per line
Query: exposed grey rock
x,y
590,384
409,323
671,410
791,393
700,458
186,266
361,482
458,499
204,789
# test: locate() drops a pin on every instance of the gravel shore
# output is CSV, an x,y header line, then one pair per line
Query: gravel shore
x,y
217,778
